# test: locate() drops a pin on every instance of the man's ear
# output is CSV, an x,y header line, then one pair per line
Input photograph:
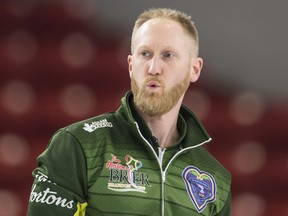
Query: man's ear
x,y
129,60
197,65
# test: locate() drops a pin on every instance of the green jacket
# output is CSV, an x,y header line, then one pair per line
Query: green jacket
x,y
112,165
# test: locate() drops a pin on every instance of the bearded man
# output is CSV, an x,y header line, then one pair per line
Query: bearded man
x,y
147,158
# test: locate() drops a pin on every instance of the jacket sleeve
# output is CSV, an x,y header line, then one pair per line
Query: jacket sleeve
x,y
226,210
60,180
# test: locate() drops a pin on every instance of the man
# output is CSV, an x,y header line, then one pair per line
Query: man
x,y
147,157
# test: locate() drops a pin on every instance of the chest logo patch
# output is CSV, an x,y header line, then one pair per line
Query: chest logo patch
x,y
127,177
200,186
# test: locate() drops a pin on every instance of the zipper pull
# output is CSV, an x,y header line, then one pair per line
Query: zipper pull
x,y
163,176
161,155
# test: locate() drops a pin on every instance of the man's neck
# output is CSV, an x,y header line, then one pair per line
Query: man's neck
x,y
164,127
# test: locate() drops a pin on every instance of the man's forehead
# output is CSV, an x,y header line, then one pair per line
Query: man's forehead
x,y
161,33
160,29
164,24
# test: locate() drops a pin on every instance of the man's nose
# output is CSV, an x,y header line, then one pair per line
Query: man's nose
x,y
155,66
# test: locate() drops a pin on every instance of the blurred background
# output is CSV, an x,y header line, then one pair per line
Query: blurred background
x,y
65,60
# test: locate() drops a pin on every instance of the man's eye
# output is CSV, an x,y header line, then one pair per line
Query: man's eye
x,y
168,55
145,53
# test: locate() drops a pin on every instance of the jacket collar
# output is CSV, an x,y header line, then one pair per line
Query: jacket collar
x,y
192,132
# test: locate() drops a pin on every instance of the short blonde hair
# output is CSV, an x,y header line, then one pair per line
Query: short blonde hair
x,y
182,18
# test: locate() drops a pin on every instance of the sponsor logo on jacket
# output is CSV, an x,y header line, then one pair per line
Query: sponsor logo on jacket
x,y
47,196
123,178
97,124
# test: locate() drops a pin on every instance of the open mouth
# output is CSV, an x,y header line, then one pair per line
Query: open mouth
x,y
153,84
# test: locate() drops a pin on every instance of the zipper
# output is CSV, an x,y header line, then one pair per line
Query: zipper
x,y
161,156
160,160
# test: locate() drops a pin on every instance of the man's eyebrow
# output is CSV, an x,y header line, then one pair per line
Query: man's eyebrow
x,y
143,47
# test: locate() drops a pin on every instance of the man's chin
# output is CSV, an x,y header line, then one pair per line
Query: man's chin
x,y
153,94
